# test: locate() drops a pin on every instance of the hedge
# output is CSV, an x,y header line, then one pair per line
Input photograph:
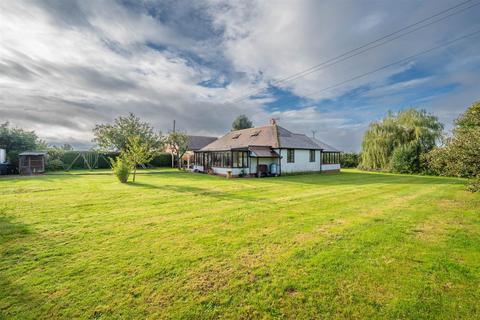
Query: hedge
x,y
164,159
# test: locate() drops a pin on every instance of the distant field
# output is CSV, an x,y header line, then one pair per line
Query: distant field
x,y
180,245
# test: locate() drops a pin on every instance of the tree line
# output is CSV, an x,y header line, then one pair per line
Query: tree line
x,y
413,141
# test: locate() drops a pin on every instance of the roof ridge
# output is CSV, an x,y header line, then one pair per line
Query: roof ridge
x,y
260,127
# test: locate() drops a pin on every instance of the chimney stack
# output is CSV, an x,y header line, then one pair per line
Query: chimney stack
x,y
273,121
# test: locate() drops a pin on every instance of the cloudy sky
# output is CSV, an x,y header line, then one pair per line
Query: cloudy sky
x,y
66,65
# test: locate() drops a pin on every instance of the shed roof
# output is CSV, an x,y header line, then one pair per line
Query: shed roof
x,y
33,153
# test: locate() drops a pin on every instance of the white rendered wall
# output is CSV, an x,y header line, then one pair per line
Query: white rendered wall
x,y
329,167
223,171
3,155
302,161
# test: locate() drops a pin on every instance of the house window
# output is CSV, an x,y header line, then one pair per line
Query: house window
x,y
239,159
312,155
330,157
290,155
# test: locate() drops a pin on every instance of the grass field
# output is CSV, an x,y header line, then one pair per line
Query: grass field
x,y
180,245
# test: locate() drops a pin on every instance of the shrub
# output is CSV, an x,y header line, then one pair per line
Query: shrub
x,y
163,159
349,160
459,155
474,185
55,165
405,159
121,169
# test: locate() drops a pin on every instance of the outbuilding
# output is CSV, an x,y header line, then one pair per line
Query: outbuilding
x,y
31,162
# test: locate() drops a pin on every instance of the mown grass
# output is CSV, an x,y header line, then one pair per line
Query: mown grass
x,y
180,245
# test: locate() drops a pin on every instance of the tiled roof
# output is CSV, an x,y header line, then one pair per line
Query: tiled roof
x,y
272,136
295,140
198,142
324,146
259,136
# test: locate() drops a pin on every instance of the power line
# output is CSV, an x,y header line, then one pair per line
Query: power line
x,y
448,43
368,46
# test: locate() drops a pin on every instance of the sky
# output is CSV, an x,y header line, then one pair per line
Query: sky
x,y
68,65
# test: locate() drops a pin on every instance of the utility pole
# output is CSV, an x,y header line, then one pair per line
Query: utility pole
x,y
171,151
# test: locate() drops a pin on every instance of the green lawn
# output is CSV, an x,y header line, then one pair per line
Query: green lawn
x,y
180,245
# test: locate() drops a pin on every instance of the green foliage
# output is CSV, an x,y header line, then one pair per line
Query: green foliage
x,y
55,155
114,137
16,140
474,185
177,142
242,122
54,165
460,154
405,159
349,160
121,169
162,159
103,162
137,152
414,128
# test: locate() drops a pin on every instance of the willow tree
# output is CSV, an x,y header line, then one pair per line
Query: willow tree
x,y
397,142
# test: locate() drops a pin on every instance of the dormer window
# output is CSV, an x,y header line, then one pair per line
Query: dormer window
x,y
256,133
235,136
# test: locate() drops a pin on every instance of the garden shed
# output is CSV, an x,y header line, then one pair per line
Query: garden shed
x,y
31,162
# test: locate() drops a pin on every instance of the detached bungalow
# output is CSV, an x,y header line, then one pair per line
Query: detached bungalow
x,y
264,151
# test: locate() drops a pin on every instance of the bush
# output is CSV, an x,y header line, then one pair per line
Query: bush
x,y
121,169
474,185
405,159
55,165
163,159
349,160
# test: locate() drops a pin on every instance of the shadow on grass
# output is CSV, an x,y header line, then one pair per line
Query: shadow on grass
x,y
314,180
11,292
11,230
366,178
196,191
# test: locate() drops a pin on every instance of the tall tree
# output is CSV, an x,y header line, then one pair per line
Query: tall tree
x,y
114,137
398,142
178,144
460,154
16,140
242,122
137,152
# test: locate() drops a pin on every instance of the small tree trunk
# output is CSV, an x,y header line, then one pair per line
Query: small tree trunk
x,y
134,172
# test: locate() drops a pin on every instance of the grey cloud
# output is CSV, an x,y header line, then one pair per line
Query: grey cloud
x,y
12,69
89,63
